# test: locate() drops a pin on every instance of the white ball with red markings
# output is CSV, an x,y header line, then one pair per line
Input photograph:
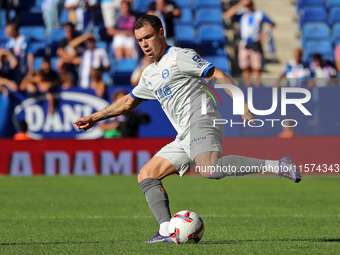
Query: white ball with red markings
x,y
186,227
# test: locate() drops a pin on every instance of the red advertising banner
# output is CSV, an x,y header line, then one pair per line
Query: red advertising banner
x,y
127,156
77,157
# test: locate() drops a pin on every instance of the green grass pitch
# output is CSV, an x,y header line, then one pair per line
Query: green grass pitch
x,y
109,215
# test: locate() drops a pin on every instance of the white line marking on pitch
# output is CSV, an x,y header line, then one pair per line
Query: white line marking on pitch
x,y
203,216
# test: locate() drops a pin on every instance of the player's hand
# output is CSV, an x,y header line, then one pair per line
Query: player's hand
x,y
84,123
248,115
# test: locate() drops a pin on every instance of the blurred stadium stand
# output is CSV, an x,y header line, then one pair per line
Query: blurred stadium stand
x,y
201,27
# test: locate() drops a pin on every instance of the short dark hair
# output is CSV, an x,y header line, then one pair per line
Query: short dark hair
x,y
47,60
70,24
317,57
152,20
23,127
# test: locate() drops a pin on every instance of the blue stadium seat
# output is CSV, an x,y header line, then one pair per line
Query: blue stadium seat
x,y
333,3
185,36
301,4
141,6
3,17
107,78
183,3
37,62
28,18
211,39
3,44
334,15
336,33
186,17
121,70
54,63
3,35
56,35
25,4
124,65
221,62
313,15
207,3
211,33
33,32
323,47
38,48
38,2
209,15
101,44
63,18
315,31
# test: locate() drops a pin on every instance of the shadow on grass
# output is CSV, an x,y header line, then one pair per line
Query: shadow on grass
x,y
203,242
273,240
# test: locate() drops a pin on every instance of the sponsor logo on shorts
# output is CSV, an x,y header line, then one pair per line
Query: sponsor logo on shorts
x,y
198,140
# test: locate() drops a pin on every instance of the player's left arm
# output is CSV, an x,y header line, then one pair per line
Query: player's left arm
x,y
266,19
218,76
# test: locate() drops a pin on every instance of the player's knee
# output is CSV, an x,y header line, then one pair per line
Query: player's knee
x,y
147,172
143,174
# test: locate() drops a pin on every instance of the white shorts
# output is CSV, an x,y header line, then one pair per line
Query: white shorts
x,y
109,11
122,41
182,153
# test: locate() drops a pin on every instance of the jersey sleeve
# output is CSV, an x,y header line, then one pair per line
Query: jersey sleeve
x,y
266,19
192,64
141,91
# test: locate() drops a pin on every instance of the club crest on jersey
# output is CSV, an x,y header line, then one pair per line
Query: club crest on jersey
x,y
165,73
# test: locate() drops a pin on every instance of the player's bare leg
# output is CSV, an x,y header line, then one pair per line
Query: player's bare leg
x,y
246,73
238,166
257,75
149,179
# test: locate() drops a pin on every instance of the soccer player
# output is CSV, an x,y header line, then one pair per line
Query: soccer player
x,y
173,79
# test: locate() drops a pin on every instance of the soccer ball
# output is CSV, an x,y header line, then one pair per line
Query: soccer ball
x,y
186,227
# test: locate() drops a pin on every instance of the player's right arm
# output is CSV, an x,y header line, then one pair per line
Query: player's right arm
x,y
119,107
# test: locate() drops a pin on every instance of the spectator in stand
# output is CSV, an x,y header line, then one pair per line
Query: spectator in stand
x,y
37,84
166,11
97,84
295,70
93,57
250,48
123,38
126,125
67,55
82,13
23,128
110,127
8,62
66,82
110,10
137,73
18,46
49,75
322,71
50,12
6,85
287,130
